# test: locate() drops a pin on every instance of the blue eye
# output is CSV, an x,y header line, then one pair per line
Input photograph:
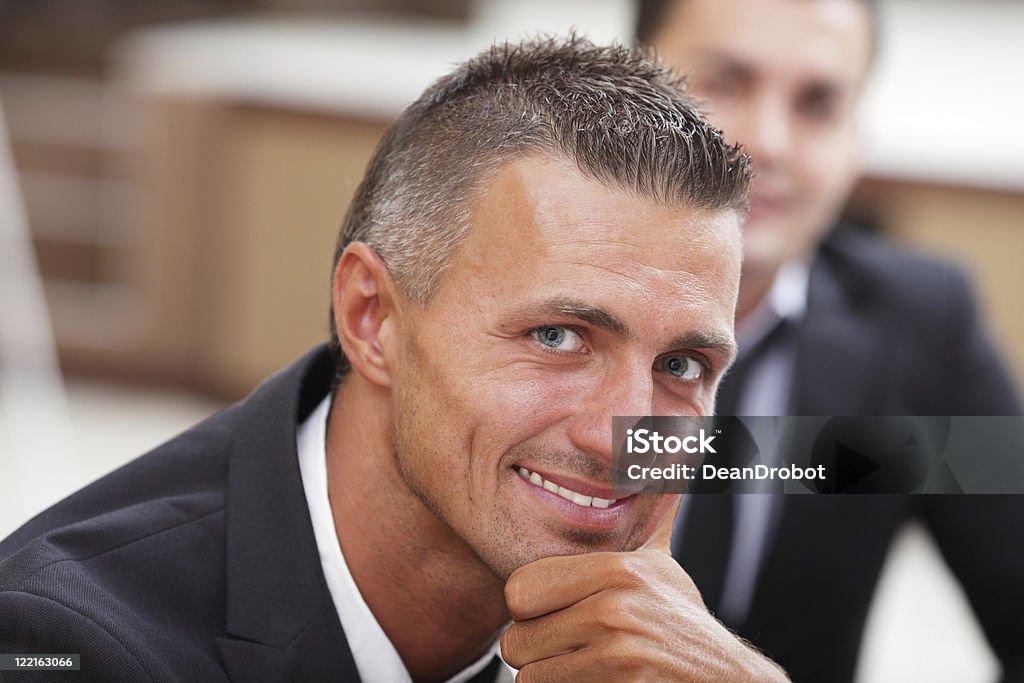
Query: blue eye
x,y
682,367
558,337
551,336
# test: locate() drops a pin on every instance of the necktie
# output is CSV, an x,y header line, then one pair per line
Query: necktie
x,y
732,386
703,543
703,546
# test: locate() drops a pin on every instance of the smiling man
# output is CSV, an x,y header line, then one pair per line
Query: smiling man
x,y
548,237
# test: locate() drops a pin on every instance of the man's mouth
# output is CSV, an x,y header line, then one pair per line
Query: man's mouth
x,y
572,496
765,206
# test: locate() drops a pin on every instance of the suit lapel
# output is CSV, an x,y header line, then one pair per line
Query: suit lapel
x,y
835,346
319,653
279,612
837,349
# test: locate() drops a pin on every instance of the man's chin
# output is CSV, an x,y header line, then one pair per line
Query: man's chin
x,y
503,562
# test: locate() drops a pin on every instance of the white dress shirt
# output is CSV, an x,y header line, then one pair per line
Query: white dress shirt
x,y
375,656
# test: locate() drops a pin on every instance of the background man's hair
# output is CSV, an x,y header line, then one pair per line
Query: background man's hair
x,y
615,112
652,14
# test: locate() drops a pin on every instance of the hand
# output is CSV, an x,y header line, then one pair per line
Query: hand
x,y
632,616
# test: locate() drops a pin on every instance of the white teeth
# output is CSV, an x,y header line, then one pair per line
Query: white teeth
x,y
568,494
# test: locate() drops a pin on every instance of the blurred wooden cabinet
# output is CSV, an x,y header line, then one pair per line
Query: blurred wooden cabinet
x,y
979,229
248,203
182,240
241,207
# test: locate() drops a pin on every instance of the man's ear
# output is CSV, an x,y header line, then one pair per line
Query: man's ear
x,y
364,311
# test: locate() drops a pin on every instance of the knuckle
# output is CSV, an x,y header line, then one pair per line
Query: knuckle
x,y
662,561
611,612
629,569
668,577
625,657
511,646
515,595
527,674
658,565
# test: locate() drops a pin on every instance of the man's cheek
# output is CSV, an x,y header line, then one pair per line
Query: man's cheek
x,y
519,410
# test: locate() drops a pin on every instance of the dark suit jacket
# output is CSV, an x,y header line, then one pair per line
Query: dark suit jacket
x,y
886,333
196,562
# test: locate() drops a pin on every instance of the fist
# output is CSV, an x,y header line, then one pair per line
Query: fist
x,y
630,616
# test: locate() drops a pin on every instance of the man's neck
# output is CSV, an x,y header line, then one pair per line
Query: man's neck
x,y
440,606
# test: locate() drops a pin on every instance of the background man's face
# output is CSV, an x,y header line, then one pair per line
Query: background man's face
x,y
568,303
781,77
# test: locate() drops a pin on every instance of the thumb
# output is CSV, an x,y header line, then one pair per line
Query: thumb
x,y
662,537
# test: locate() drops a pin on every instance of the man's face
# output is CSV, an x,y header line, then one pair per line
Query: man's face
x,y
781,77
568,303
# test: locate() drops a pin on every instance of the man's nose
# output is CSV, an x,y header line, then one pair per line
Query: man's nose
x,y
627,391
767,132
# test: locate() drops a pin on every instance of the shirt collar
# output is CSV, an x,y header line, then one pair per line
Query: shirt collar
x,y
786,300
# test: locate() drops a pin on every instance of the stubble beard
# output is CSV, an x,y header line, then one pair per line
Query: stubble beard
x,y
499,544
409,422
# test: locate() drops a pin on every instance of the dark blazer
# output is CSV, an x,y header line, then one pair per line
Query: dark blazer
x,y
196,562
886,333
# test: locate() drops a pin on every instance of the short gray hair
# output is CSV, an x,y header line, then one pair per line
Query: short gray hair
x,y
617,112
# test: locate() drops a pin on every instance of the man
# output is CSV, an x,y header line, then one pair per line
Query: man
x,y
548,237
829,323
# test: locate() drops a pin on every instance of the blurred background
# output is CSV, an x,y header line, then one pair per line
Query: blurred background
x,y
173,174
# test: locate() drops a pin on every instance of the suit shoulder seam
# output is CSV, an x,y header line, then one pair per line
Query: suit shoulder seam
x,y
100,553
87,618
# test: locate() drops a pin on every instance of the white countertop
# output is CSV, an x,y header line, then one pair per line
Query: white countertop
x,y
946,103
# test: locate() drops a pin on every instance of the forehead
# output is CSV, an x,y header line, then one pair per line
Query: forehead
x,y
540,228
822,39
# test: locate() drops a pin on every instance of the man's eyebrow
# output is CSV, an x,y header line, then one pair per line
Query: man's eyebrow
x,y
600,317
712,341
573,308
719,60
748,70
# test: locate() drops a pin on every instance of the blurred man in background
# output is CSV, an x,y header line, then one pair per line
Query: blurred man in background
x,y
830,321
